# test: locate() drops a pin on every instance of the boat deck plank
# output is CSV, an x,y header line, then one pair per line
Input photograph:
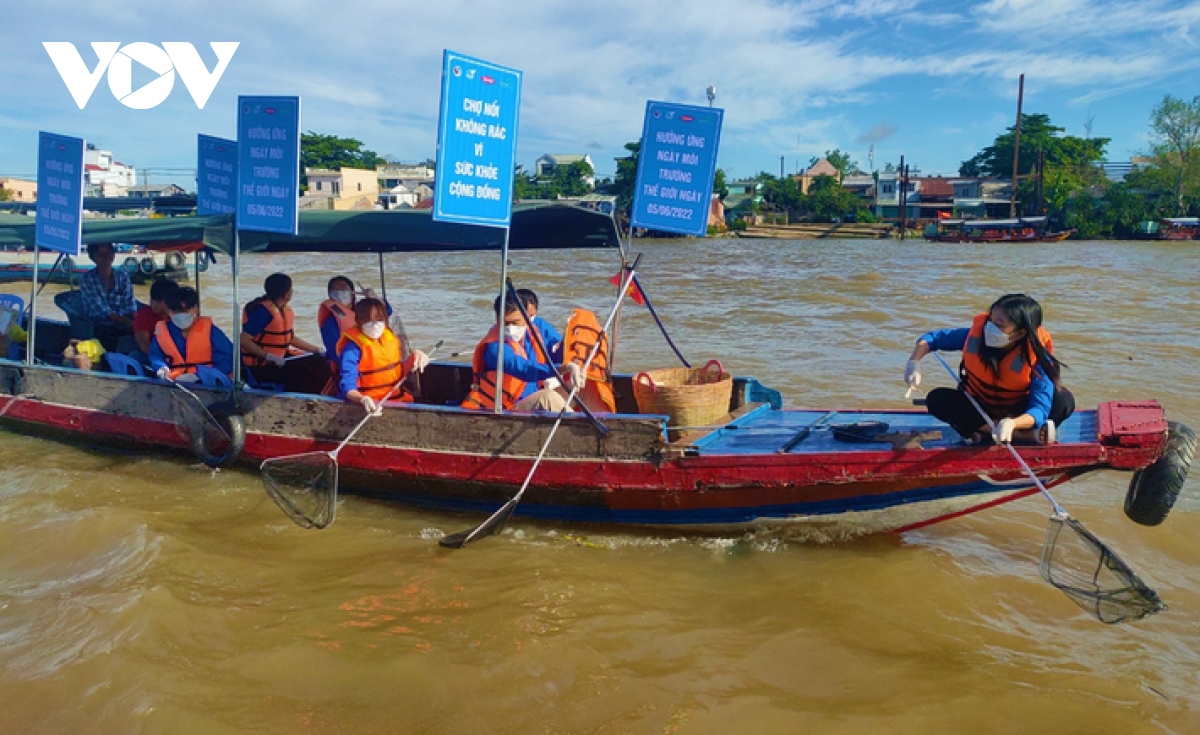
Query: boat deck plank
x,y
764,432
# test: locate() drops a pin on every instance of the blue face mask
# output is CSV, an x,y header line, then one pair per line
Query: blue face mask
x,y
993,336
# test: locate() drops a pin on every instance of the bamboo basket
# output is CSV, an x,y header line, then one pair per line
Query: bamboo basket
x,y
688,396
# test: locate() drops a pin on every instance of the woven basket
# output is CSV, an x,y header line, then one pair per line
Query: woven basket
x,y
688,396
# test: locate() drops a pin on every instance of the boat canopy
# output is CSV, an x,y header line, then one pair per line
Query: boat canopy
x,y
534,226
992,223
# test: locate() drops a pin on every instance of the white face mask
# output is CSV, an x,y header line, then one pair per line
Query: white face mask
x,y
515,333
183,319
374,330
993,336
345,298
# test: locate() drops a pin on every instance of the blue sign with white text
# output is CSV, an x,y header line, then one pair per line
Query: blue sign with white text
x,y
59,222
216,176
477,141
676,166
268,170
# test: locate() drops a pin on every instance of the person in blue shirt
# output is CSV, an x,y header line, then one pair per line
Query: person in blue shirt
x,y
187,340
335,315
519,366
1008,366
550,336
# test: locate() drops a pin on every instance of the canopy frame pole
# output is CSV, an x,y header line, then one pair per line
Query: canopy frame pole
x,y
237,326
382,279
196,266
498,403
31,333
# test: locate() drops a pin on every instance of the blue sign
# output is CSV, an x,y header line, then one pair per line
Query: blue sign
x,y
268,170
216,176
676,165
477,141
59,222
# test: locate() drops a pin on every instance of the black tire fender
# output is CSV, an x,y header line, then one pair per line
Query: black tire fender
x,y
173,261
1153,490
230,418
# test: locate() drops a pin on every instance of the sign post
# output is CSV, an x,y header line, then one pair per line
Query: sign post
x,y
676,166
58,225
476,157
268,180
268,170
216,176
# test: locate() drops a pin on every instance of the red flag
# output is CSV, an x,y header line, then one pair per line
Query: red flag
x,y
634,291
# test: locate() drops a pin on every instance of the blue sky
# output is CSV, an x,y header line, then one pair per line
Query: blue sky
x,y
933,81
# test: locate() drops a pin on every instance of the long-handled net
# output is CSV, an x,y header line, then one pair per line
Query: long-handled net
x,y
1087,571
304,486
1078,563
195,423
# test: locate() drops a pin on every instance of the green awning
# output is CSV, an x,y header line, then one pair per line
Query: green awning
x,y
534,226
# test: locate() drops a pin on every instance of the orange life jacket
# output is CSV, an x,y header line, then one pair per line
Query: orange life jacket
x,y
583,331
277,337
198,347
343,314
380,366
1008,388
483,386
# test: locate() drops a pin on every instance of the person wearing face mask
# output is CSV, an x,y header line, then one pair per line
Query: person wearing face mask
x,y
369,360
335,315
187,340
522,371
1008,366
268,339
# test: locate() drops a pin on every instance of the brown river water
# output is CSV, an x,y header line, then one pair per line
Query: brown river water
x,y
141,594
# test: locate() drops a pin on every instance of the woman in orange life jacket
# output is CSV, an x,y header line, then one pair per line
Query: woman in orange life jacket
x,y
187,340
522,371
1008,366
268,338
369,358
335,315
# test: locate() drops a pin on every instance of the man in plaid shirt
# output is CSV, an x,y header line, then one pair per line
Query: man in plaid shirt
x,y
107,294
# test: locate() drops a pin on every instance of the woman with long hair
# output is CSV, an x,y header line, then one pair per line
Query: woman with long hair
x,y
1008,366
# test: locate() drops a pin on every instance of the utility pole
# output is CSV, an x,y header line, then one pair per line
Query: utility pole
x,y
781,167
901,197
711,93
1012,201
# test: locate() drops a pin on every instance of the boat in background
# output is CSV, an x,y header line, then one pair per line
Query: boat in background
x,y
1170,228
1020,229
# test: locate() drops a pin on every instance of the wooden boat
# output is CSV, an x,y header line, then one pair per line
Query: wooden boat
x,y
760,466
1022,229
1170,228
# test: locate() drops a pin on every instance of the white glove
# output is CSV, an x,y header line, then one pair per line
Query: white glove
x,y
370,406
912,373
574,376
420,360
164,373
276,360
551,383
1004,430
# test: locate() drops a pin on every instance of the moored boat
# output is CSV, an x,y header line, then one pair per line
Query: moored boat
x,y
1021,229
759,466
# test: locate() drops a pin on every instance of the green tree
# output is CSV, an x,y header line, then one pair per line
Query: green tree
x,y
524,185
779,195
838,159
827,201
331,152
627,177
1071,163
5,194
1175,127
720,188
572,180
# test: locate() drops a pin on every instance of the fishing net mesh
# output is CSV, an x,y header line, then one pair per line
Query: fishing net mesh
x,y
304,486
1095,578
193,420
